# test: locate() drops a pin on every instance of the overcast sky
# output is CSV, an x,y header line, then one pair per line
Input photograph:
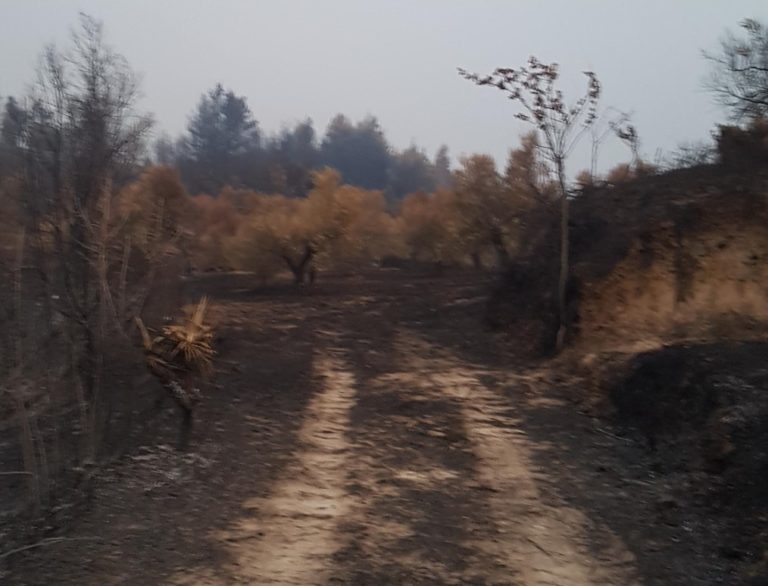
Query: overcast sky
x,y
397,59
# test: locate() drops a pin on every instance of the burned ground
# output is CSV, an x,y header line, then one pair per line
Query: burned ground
x,y
372,431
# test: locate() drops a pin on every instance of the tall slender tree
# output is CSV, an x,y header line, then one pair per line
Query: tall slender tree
x,y
360,151
220,135
442,166
410,171
533,87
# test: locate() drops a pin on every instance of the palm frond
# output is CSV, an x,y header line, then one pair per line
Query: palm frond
x,y
192,339
186,345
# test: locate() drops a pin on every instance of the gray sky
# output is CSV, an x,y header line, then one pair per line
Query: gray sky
x,y
397,59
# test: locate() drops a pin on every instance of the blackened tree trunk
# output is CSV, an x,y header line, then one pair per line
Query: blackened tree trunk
x,y
299,268
502,255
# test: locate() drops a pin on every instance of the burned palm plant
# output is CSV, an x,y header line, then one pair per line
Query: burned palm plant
x,y
179,356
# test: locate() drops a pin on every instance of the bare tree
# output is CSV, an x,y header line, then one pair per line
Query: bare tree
x,y
626,131
80,139
738,76
691,154
561,126
604,125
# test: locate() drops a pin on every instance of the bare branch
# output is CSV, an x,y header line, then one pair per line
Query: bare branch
x,y
738,77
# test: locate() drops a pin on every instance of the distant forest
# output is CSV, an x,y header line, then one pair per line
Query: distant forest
x,y
224,146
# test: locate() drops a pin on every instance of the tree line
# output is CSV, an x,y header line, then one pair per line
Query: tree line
x,y
477,220
224,146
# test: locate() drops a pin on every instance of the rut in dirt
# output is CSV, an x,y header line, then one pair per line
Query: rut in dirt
x,y
293,533
537,542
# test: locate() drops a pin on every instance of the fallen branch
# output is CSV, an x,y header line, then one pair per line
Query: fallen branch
x,y
537,546
43,543
611,435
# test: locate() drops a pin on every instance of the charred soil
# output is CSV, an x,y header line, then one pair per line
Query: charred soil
x,y
370,430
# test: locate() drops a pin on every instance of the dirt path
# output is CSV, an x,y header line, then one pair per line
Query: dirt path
x,y
365,438
290,536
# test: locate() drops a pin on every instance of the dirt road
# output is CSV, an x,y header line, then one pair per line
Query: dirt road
x,y
371,432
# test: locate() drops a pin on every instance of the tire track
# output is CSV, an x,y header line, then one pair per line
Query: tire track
x,y
539,543
290,537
